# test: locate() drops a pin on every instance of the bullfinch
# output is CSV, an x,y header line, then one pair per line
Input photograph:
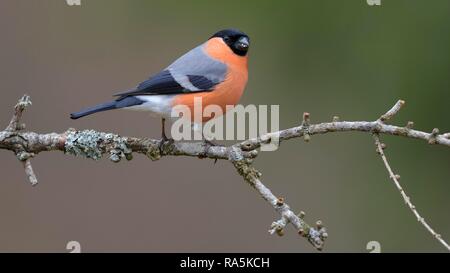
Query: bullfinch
x,y
216,71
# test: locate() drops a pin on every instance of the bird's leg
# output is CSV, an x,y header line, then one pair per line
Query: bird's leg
x,y
164,138
163,129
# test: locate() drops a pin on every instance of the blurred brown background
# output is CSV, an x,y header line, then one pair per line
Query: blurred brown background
x,y
327,57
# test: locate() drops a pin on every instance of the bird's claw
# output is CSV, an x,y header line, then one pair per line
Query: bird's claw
x,y
165,140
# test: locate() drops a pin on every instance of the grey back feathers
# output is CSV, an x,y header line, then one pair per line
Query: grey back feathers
x,y
197,67
195,71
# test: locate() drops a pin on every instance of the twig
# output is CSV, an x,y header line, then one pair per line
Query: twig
x,y
14,124
315,236
29,172
394,110
13,128
395,178
343,126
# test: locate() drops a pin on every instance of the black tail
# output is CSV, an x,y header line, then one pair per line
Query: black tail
x,y
122,102
98,108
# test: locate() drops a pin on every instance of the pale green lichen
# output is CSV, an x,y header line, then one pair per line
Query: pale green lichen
x,y
93,144
153,154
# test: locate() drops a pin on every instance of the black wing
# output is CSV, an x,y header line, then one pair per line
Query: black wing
x,y
163,83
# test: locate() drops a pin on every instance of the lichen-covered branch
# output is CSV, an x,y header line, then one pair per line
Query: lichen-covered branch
x,y
94,145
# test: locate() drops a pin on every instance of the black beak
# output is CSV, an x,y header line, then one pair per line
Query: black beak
x,y
243,44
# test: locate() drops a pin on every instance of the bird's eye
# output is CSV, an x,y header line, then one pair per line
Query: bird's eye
x,y
226,38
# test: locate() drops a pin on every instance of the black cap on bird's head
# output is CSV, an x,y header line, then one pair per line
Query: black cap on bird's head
x,y
237,40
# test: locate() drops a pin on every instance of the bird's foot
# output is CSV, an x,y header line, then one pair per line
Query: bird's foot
x,y
164,140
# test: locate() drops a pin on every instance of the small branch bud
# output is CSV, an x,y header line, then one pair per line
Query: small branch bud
x,y
301,215
129,156
409,125
279,231
433,135
302,232
305,127
306,137
306,118
246,146
319,224
280,201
